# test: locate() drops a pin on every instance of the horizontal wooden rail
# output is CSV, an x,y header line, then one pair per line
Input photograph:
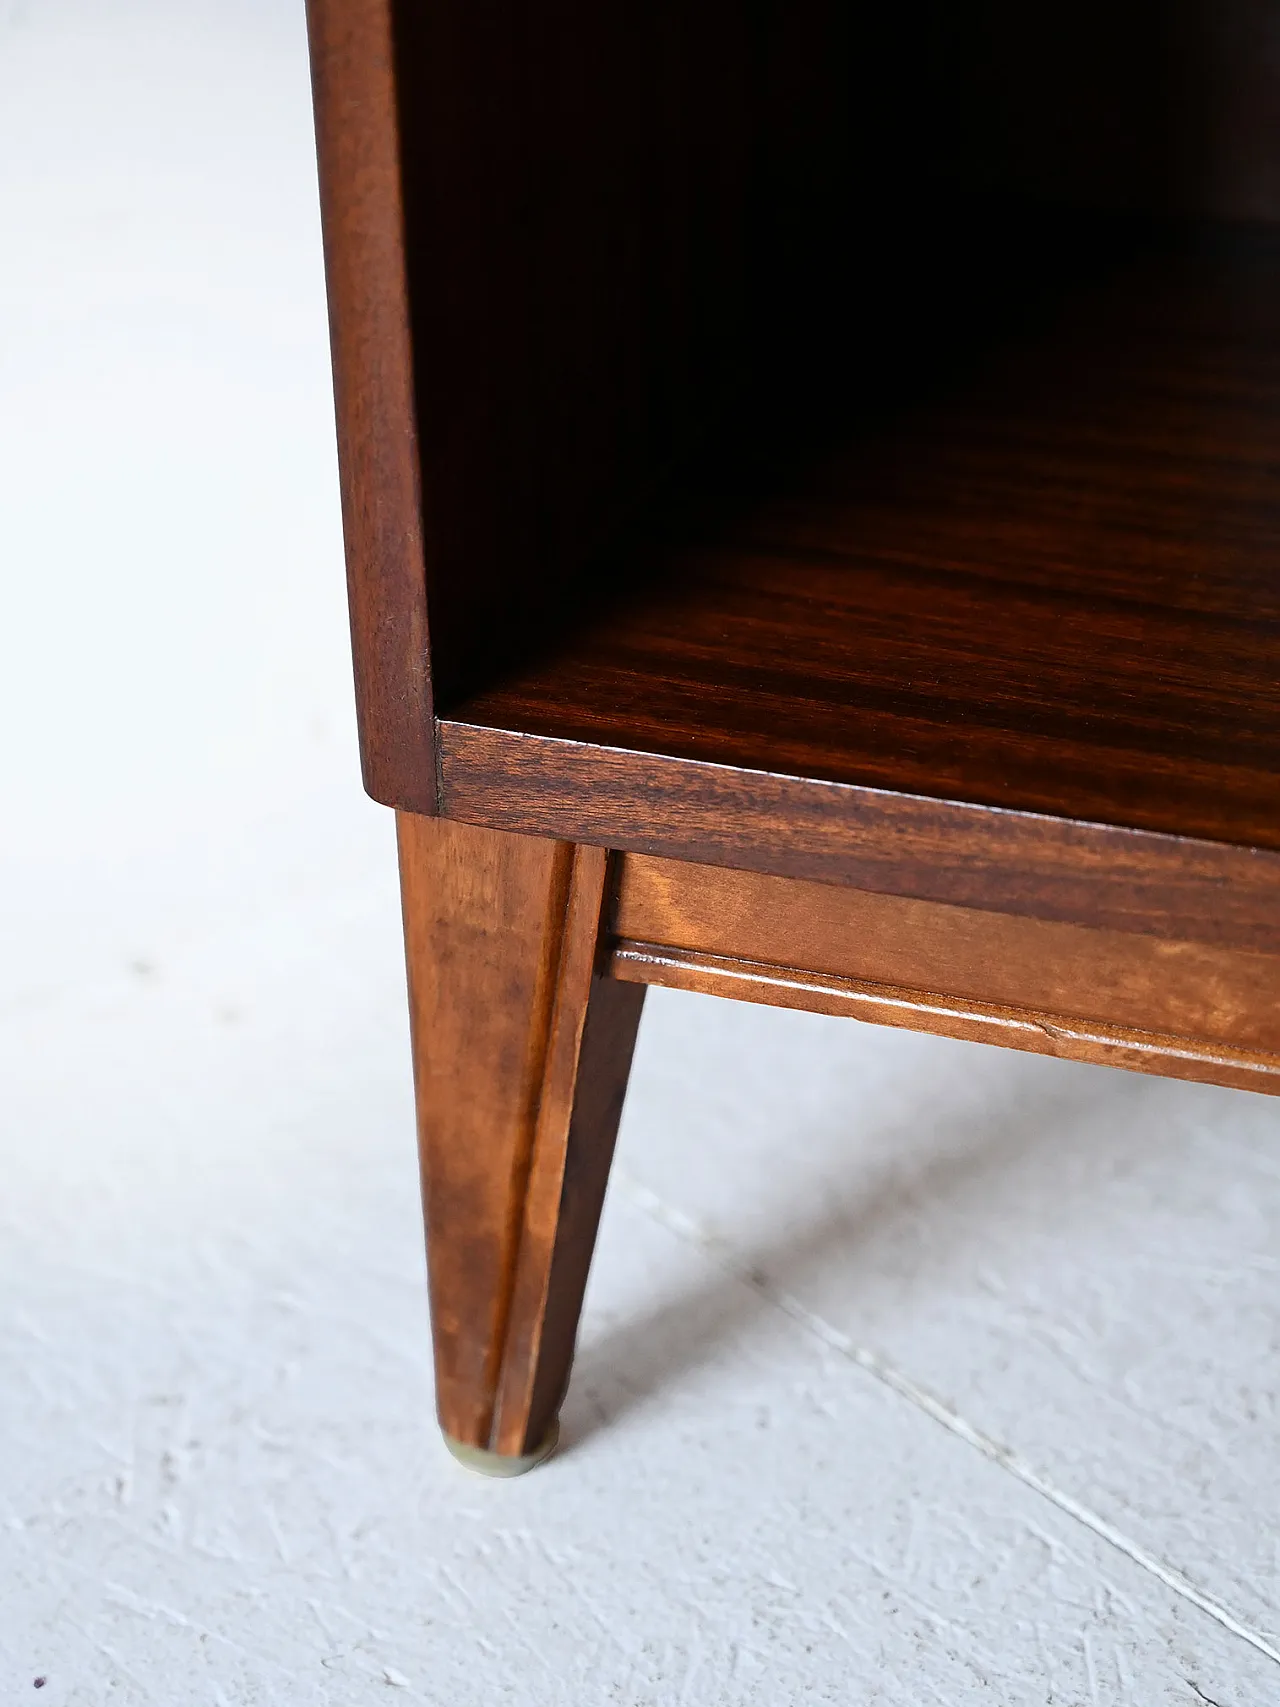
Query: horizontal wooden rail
x,y
924,1010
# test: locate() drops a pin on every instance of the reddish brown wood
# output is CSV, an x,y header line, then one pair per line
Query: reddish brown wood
x,y
779,503
595,197
357,140
1161,1006
1047,587
1187,989
585,250
521,1054
564,242
926,1010
971,856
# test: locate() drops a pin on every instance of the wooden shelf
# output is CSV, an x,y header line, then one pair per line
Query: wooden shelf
x,y
1049,582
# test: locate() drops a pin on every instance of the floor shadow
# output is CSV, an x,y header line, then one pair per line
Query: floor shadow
x,y
627,1365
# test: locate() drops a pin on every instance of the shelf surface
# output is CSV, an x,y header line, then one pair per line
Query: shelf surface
x,y
1049,583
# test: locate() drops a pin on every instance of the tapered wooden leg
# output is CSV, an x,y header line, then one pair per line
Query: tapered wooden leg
x,y
521,1055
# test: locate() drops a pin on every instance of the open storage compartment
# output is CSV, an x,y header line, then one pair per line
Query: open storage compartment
x,y
1047,578
873,396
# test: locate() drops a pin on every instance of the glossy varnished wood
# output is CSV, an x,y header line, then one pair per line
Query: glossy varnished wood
x,y
358,144
521,1054
837,833
1047,586
565,243
798,483
1178,1008
612,214
577,252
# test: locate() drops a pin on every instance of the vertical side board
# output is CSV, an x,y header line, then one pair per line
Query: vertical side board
x,y
555,236
358,147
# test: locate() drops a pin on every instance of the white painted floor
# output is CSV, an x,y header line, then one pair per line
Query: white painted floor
x,y
912,1372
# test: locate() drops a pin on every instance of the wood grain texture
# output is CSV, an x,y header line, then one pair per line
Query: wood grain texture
x,y
924,1010
1046,586
970,856
578,254
358,148
612,215
1214,995
521,1054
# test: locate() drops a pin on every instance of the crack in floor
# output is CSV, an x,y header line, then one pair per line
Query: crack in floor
x,y
685,1227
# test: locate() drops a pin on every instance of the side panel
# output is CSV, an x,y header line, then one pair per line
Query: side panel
x,y
359,157
618,219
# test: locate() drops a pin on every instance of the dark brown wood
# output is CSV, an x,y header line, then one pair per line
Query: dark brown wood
x,y
521,1054
594,198
1050,589
1156,105
557,236
971,856
357,141
800,484
1163,1006
577,252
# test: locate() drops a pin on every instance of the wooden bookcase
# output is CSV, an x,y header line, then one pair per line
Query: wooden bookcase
x,y
812,492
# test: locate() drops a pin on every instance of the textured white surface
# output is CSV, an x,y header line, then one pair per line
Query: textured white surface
x,y
912,1372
